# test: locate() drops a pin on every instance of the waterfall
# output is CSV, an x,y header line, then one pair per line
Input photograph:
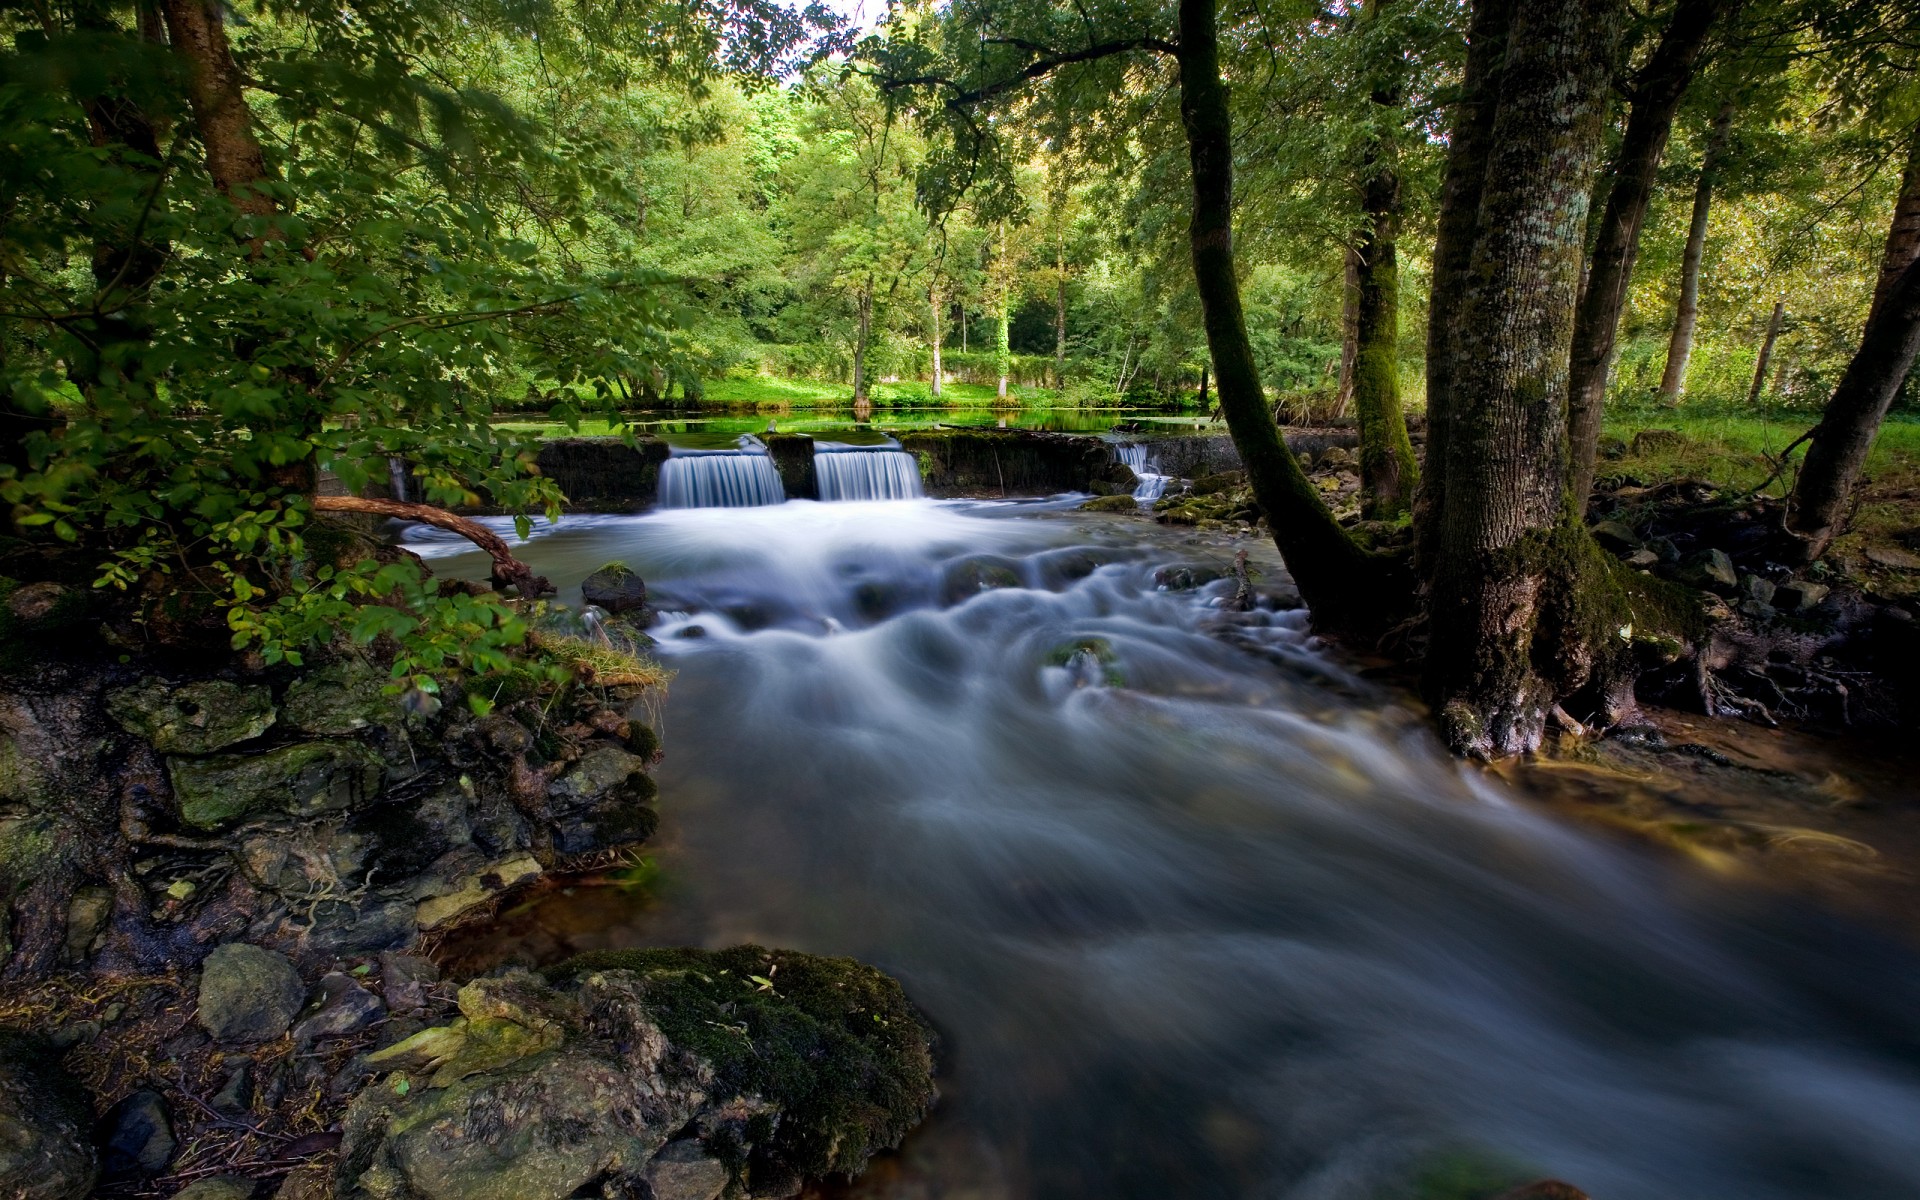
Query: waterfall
x,y
722,479
856,473
1152,483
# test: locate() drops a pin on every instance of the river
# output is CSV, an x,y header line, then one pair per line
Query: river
x,y
1198,911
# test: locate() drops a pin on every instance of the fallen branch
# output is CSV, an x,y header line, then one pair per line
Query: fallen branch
x,y
507,570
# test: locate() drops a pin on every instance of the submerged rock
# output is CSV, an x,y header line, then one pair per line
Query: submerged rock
x,y
195,718
614,587
300,780
138,1136
248,993
45,1153
1120,502
781,1066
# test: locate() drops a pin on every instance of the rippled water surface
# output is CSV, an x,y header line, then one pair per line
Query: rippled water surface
x,y
1199,913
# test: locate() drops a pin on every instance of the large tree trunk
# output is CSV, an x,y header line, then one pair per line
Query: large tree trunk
x,y
214,90
933,338
1673,380
1510,634
1766,352
1468,145
1388,472
1657,91
1344,587
1838,451
864,305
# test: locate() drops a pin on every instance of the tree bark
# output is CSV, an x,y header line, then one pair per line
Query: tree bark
x,y
1002,304
1469,144
214,92
933,315
1509,570
864,304
1766,352
1349,329
1388,473
1060,325
1344,587
507,570
1903,238
1673,381
1657,91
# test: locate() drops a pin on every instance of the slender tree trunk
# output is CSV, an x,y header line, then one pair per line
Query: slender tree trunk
x,y
1060,323
1658,89
214,91
1002,316
1388,472
1468,146
1509,631
1673,381
933,339
1203,387
1766,352
1349,329
864,305
1343,585
1838,451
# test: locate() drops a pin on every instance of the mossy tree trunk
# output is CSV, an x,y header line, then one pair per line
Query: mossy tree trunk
x,y
1774,323
1388,472
1349,329
1519,597
1343,585
1673,380
1657,89
1002,315
1838,450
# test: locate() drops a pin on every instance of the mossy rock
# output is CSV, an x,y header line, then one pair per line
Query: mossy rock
x,y
194,718
615,587
1121,503
1096,651
976,574
602,801
833,1043
339,700
300,780
46,1148
34,616
1218,482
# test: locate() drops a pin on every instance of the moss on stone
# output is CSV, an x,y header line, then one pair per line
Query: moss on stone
x,y
302,780
834,1042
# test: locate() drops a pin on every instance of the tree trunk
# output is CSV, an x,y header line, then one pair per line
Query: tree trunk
x,y
1673,381
1060,325
1387,469
1002,315
1510,589
933,316
1344,587
507,570
1859,404
1203,387
1349,329
1657,91
865,307
1766,352
239,170
1468,145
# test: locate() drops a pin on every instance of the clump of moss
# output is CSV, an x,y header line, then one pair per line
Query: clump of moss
x,y
834,1042
603,663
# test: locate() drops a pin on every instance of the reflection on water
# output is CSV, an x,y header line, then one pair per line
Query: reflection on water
x,y
1200,913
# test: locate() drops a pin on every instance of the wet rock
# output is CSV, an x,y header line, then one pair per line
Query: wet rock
x,y
1713,569
347,929
1118,502
195,718
1643,560
338,700
405,978
615,588
602,801
1757,589
1225,481
1799,595
248,993
1616,536
1186,577
236,1090
1893,559
36,601
301,780
685,1170
1117,479
343,1008
219,1187
807,1065
137,1134
45,1151
87,916
471,891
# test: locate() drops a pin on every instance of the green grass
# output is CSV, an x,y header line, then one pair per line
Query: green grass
x,y
1731,448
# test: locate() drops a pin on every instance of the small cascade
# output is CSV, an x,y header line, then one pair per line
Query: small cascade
x,y
1152,483
744,478
862,473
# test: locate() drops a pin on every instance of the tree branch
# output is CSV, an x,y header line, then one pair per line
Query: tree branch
x,y
1050,60
507,570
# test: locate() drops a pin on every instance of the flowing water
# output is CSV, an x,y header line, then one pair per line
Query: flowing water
x,y
843,472
1198,912
744,478
1152,483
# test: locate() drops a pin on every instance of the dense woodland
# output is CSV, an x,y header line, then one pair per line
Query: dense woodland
x,y
246,244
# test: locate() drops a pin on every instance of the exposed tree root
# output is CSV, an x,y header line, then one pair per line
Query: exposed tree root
x,y
508,571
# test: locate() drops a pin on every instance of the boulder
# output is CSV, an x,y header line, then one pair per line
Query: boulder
x,y
471,891
1712,569
248,993
1616,536
137,1134
338,700
602,801
1122,502
615,588
1799,595
218,1187
302,780
1642,560
786,1066
45,1150
1893,558
195,718
341,1009
1757,589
